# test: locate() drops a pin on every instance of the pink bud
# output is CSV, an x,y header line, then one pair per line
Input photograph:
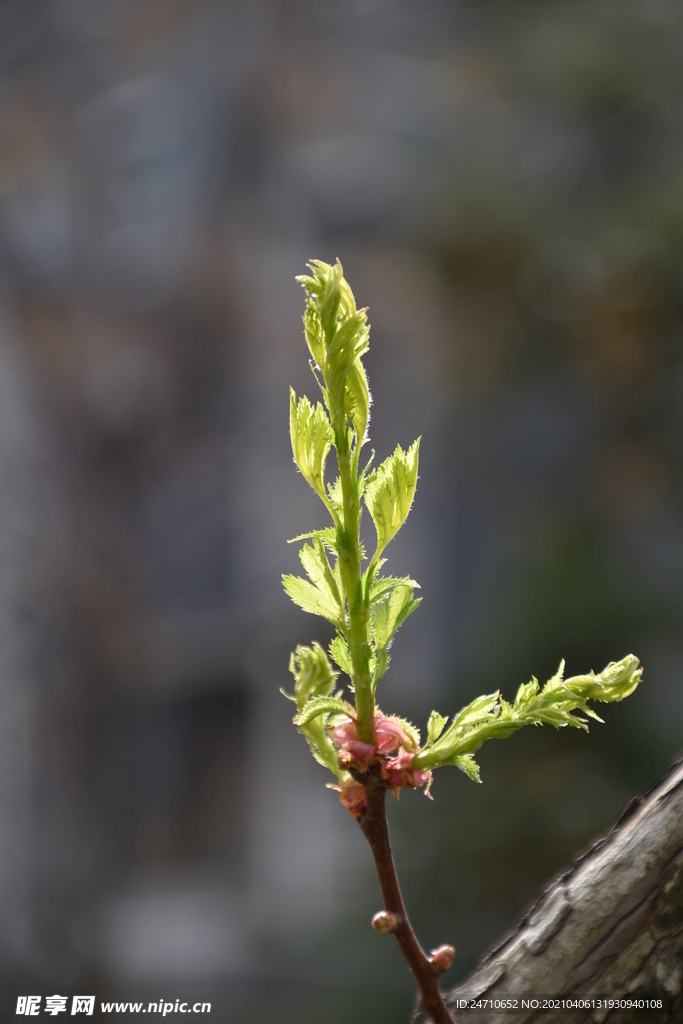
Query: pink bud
x,y
344,732
355,752
385,922
391,735
443,957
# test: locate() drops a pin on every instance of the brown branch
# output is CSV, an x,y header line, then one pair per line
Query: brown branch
x,y
612,925
376,830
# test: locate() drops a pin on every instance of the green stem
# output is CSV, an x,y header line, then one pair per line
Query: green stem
x,y
351,573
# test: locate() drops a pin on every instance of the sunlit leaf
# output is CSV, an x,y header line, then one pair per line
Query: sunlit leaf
x,y
321,596
312,437
389,493
340,654
435,726
321,706
491,717
391,612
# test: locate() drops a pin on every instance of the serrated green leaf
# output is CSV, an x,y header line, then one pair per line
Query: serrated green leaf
x,y
479,710
314,680
310,599
334,491
322,756
385,584
389,493
312,437
357,401
313,674
320,744
389,613
435,726
490,717
329,298
324,286
328,536
313,330
379,663
321,596
312,283
314,560
467,764
340,654
323,706
617,681
526,693
349,343
362,478
370,575
347,302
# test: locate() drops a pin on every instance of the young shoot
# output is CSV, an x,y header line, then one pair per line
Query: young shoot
x,y
366,750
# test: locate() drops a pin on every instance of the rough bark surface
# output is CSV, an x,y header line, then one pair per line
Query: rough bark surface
x,y
611,925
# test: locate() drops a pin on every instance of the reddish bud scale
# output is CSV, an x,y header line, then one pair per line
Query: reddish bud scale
x,y
393,749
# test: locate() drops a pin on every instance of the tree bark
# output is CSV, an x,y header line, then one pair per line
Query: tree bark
x,y
610,926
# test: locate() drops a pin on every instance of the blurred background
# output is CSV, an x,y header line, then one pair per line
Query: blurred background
x,y
503,184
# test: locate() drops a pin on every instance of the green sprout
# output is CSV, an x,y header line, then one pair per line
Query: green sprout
x,y
367,751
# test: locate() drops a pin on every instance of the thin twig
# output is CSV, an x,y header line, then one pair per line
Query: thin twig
x,y
376,830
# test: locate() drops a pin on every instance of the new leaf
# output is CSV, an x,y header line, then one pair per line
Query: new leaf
x,y
348,344
340,654
313,683
389,613
312,437
357,401
321,596
490,717
389,493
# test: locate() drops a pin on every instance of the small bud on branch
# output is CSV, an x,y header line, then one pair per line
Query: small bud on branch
x,y
384,922
442,957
